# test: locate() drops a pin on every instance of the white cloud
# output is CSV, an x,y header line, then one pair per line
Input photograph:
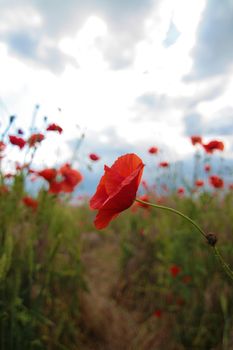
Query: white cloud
x,y
93,93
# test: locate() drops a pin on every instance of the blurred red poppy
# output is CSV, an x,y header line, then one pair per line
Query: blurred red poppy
x,y
17,141
196,139
207,168
71,177
117,188
34,139
175,270
157,313
199,183
2,146
216,181
153,150
163,164
55,187
213,145
181,190
30,202
48,174
94,157
8,176
54,127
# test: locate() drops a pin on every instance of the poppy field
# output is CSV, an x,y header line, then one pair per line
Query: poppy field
x,y
143,263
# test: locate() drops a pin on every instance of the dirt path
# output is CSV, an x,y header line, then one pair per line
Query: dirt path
x,y
109,326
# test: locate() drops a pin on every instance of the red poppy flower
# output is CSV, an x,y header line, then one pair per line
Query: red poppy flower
x,y
163,164
71,176
196,139
34,139
2,146
213,145
199,183
117,188
175,270
216,181
180,190
48,174
207,168
55,187
231,187
30,202
8,176
94,157
54,127
17,141
153,150
157,313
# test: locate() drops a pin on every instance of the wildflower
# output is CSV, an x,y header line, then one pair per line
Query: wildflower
x,y
55,187
34,139
181,190
71,177
196,139
2,146
153,150
54,127
163,164
17,141
157,313
199,183
30,202
117,188
216,181
213,145
8,176
175,270
207,168
48,174
94,157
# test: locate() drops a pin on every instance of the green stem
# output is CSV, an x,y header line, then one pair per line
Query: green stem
x,y
223,263
225,266
176,212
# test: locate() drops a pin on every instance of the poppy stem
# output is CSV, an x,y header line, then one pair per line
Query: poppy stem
x,y
223,263
176,212
211,239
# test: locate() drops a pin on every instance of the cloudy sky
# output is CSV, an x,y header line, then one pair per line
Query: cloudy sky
x,y
128,73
